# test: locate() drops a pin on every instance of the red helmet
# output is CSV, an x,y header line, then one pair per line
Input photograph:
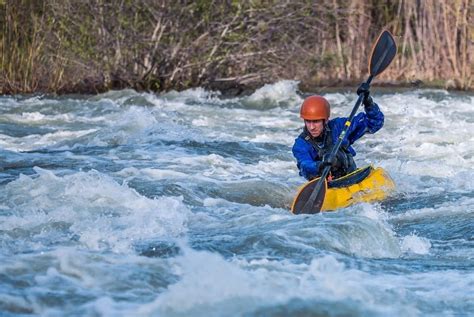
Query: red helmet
x,y
315,108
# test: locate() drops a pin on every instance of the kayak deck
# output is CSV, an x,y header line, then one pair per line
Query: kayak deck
x,y
365,184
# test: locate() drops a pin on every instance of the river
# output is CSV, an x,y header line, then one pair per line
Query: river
x,y
139,204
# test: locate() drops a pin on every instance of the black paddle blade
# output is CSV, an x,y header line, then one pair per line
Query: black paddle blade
x,y
383,53
303,196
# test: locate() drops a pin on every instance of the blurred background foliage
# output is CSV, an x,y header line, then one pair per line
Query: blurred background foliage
x,y
90,46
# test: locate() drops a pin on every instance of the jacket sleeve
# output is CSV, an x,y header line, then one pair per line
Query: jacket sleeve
x,y
375,118
369,121
306,164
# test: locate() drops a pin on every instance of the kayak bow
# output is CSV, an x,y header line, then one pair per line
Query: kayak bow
x,y
367,184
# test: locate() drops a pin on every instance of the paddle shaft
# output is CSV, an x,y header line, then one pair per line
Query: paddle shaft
x,y
307,208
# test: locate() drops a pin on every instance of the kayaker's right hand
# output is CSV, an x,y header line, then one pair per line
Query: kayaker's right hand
x,y
328,161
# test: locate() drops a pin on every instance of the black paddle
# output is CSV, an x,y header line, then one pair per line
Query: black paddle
x,y
382,55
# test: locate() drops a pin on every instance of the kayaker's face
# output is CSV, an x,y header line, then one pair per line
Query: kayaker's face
x,y
315,127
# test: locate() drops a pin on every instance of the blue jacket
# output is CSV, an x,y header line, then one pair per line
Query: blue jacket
x,y
308,158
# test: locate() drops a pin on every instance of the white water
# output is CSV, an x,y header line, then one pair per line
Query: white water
x,y
131,203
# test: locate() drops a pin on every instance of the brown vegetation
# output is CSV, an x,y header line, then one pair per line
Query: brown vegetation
x,y
95,45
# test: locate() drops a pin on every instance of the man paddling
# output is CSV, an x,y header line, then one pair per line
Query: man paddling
x,y
313,146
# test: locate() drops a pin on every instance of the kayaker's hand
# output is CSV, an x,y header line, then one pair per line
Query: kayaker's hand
x,y
364,89
328,161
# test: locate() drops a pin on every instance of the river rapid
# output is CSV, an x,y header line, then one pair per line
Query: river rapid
x,y
138,204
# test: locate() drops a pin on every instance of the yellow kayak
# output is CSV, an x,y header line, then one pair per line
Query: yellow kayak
x,y
365,184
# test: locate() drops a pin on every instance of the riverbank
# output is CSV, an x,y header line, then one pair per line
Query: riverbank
x,y
230,89
94,46
236,89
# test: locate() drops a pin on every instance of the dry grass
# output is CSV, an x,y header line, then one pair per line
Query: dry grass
x,y
95,45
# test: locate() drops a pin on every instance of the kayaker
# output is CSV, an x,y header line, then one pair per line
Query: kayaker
x,y
313,146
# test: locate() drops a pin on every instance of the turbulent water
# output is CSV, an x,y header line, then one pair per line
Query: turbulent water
x,y
137,204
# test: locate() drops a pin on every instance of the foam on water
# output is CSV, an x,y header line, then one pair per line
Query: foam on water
x,y
92,208
193,94
228,169
430,132
282,93
83,276
365,233
35,141
126,127
177,205
415,244
462,207
209,284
